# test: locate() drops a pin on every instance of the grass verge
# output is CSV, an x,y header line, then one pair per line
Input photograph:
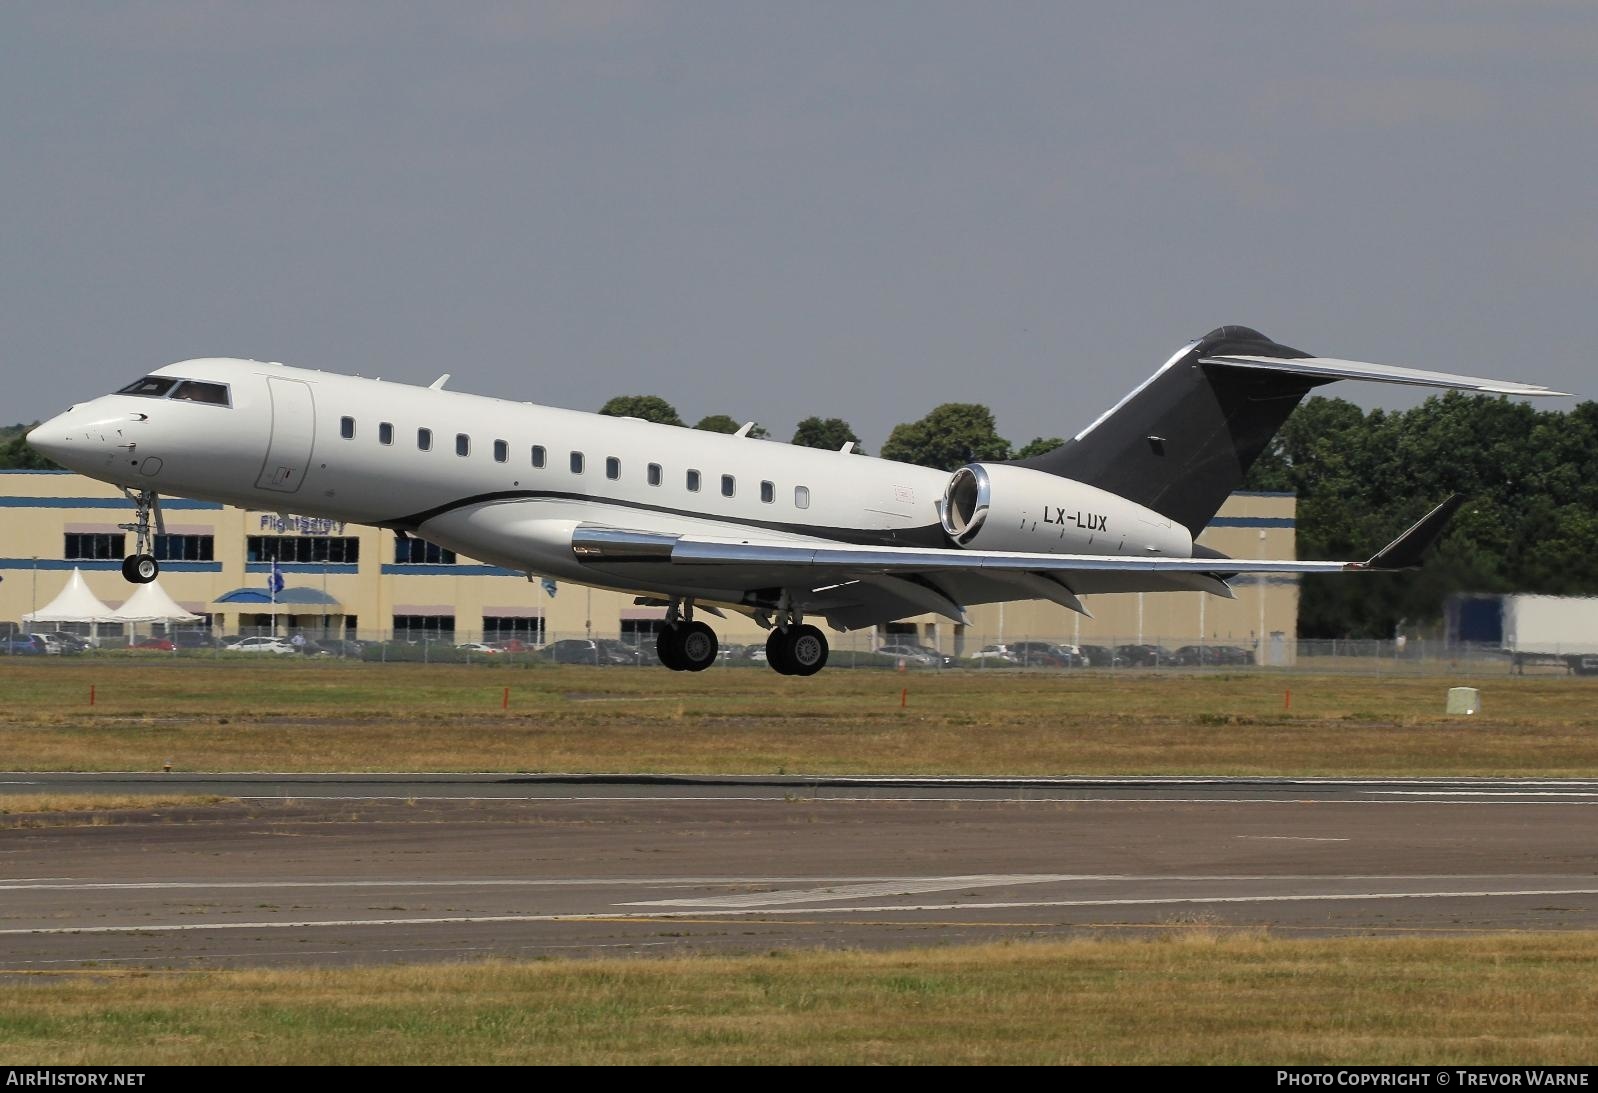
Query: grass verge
x,y
209,715
1204,998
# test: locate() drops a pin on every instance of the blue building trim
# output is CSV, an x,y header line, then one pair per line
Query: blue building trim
x,y
404,569
302,567
1253,522
103,564
167,504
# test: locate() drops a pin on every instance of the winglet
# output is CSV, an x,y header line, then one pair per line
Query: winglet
x,y
1405,552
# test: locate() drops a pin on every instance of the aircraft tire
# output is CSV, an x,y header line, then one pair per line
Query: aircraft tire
x,y
668,646
140,568
777,653
807,650
696,646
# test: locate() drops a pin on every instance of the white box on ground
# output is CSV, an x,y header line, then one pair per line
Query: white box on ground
x,y
1464,700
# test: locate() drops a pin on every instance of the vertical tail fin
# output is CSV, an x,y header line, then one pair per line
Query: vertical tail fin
x,y
1182,442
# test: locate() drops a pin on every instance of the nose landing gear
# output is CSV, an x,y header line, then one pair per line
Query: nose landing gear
x,y
140,567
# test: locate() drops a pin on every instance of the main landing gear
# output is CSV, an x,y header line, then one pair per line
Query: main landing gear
x,y
140,567
797,651
793,649
685,645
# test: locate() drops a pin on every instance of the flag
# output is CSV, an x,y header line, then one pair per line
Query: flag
x,y
549,587
274,582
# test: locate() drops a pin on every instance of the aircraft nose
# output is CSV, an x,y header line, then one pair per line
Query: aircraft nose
x,y
83,436
51,438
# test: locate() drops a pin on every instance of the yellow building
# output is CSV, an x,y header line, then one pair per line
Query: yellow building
x,y
348,580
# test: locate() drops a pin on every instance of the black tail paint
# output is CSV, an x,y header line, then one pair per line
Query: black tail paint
x,y
1185,440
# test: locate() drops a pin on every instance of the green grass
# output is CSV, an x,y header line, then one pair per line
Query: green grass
x,y
1201,998
210,715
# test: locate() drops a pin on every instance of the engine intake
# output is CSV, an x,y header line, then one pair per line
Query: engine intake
x,y
1000,506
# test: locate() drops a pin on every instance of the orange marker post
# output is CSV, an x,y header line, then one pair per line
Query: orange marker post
x,y
505,702
904,697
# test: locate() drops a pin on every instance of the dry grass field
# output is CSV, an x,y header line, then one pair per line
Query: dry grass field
x,y
1179,999
319,716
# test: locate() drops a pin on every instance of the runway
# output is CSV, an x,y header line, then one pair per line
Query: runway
x,y
313,870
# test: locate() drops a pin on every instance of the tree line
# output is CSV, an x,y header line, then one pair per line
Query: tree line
x,y
1530,477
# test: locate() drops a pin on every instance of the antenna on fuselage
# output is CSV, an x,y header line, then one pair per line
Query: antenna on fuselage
x,y
438,384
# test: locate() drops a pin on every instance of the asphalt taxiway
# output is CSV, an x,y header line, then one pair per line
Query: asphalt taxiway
x,y
359,868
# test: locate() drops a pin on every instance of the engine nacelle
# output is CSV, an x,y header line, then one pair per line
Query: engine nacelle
x,y
992,506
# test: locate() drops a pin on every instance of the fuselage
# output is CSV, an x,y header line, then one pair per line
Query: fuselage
x,y
507,482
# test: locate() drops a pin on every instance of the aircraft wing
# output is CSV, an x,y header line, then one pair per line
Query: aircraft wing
x,y
929,579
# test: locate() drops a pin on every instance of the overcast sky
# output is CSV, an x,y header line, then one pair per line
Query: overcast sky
x,y
775,210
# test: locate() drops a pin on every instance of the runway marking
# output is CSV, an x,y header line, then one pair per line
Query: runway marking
x,y
886,885
861,891
68,885
710,915
810,797
1295,838
1480,793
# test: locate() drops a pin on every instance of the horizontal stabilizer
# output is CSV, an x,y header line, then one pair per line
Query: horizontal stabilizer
x,y
1405,552
1330,368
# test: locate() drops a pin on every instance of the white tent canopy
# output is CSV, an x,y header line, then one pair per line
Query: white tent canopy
x,y
75,604
151,604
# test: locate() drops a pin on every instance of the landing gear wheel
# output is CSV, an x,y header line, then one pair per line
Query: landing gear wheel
x,y
696,645
777,653
669,648
797,651
807,650
140,569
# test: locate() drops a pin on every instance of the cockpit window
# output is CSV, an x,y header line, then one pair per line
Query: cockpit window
x,y
149,387
195,391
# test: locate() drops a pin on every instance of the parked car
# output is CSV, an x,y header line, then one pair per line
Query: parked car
x,y
23,645
911,654
479,648
192,639
1145,656
585,651
52,646
1035,654
274,646
72,643
341,647
1101,656
165,645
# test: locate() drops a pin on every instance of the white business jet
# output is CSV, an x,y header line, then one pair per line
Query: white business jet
x,y
686,519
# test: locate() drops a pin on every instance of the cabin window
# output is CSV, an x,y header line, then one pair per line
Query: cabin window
x,y
346,428
693,481
768,492
801,497
424,439
727,485
149,387
463,444
612,468
654,474
539,455
577,462
501,451
385,432
195,391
